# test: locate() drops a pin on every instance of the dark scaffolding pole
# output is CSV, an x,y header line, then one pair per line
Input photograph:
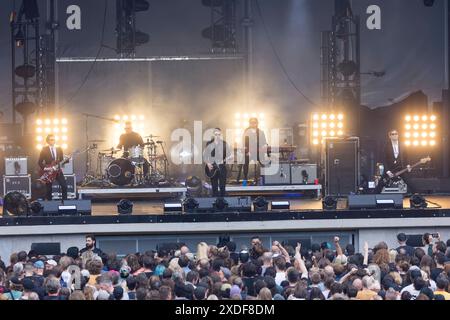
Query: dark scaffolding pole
x,y
247,24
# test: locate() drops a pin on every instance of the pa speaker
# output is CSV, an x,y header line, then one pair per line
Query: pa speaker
x,y
68,207
374,201
44,249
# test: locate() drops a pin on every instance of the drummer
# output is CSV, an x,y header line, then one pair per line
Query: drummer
x,y
129,139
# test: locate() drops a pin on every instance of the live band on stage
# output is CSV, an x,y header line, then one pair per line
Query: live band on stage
x,y
134,162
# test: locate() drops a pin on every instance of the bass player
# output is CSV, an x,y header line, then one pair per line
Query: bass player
x,y
49,156
395,159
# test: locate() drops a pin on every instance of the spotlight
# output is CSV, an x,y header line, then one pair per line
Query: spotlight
x,y
418,202
173,207
194,186
190,205
280,205
329,203
125,206
260,204
330,125
16,204
36,208
220,204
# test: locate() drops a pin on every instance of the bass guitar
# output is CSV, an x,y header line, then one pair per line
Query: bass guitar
x,y
212,173
396,176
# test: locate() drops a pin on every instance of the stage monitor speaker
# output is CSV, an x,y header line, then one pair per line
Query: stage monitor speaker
x,y
375,201
69,207
341,166
46,248
209,205
303,173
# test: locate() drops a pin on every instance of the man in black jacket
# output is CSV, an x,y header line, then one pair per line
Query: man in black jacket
x,y
395,159
217,152
51,154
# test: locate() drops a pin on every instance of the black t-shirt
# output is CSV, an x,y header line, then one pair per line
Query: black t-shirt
x,y
407,249
128,140
435,273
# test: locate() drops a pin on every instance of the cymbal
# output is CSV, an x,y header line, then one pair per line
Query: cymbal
x,y
152,136
111,150
96,140
149,143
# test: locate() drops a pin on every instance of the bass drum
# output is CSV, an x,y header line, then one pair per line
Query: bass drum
x,y
122,171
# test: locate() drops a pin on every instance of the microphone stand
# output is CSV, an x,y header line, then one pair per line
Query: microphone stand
x,y
88,158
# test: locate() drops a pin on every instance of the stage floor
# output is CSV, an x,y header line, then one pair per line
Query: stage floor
x,y
155,207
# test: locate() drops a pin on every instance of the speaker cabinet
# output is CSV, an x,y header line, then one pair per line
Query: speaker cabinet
x,y
341,157
208,205
375,201
281,177
69,207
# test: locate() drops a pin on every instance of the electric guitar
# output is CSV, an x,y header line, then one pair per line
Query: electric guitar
x,y
389,180
50,172
212,173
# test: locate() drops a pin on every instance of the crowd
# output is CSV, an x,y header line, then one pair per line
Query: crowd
x,y
325,271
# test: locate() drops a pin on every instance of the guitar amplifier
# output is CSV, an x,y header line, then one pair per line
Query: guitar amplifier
x,y
16,166
71,181
281,177
303,173
20,184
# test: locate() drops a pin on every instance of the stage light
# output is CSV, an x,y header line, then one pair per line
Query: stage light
x,y
125,206
190,205
194,186
117,117
419,130
329,203
260,204
52,126
280,205
220,204
261,115
36,208
15,203
331,125
432,143
133,117
417,202
173,207
237,115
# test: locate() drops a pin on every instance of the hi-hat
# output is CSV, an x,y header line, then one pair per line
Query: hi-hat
x,y
152,136
97,140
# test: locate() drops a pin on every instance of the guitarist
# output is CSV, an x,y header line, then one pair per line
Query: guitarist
x,y
216,155
51,155
395,159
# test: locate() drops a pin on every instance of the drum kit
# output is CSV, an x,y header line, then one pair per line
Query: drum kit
x,y
145,165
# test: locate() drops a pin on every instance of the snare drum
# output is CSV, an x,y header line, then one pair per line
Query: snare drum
x,y
136,154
